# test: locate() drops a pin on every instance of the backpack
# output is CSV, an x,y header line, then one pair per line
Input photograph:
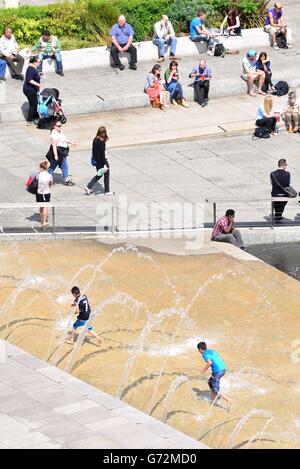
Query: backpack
x,y
32,184
282,88
220,50
260,132
281,40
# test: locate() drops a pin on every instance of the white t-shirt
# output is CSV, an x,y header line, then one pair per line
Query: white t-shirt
x,y
59,137
44,179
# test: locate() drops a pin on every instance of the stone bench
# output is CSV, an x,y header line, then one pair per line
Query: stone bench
x,y
147,51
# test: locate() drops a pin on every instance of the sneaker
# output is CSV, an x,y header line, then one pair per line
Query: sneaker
x,y
165,106
87,191
132,66
184,103
210,52
29,123
109,193
15,77
161,59
120,67
21,77
2,78
174,103
204,104
60,73
173,57
289,46
69,182
275,46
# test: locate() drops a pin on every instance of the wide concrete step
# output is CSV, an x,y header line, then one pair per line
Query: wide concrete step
x,y
92,103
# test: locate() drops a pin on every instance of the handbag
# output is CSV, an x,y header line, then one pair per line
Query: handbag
x,y
289,190
32,184
62,152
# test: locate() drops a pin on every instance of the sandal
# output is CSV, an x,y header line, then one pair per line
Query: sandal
x,y
296,129
261,92
251,93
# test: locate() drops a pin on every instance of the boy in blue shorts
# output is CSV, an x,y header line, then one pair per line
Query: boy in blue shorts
x,y
83,311
218,369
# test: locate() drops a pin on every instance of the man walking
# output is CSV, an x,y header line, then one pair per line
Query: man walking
x,y
122,36
164,35
9,51
280,179
202,74
218,368
224,230
49,48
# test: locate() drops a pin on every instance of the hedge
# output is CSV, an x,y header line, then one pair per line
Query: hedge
x,y
86,23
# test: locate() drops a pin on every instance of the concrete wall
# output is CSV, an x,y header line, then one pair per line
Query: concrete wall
x,y
99,56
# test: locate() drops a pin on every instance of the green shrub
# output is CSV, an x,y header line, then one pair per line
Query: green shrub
x,y
86,23
181,13
142,14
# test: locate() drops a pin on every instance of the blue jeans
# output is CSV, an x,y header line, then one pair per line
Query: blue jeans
x,y
63,166
214,381
203,37
160,43
56,57
2,68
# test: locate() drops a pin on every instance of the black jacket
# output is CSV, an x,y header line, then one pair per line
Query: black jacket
x,y
99,152
283,177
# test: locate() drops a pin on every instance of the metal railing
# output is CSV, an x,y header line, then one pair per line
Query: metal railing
x,y
55,207
248,201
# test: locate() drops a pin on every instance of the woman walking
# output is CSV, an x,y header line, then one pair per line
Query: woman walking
x,y
58,152
101,163
173,86
265,117
43,194
31,87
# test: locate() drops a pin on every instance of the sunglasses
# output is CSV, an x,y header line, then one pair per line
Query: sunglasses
x,y
58,125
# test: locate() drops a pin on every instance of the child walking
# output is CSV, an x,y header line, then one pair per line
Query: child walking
x,y
83,311
218,369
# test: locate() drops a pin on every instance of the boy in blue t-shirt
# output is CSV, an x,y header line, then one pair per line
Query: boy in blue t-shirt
x,y
218,369
83,311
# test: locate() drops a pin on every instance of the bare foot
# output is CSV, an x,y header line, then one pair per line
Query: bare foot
x,y
229,404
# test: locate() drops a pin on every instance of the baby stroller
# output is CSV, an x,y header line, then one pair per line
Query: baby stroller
x,y
49,107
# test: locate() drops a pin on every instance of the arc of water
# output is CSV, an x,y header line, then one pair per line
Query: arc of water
x,y
260,434
243,421
172,389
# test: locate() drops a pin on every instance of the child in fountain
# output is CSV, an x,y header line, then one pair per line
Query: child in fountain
x,y
83,311
218,369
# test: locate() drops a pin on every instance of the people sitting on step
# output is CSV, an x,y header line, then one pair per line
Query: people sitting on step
x,y
164,35
264,63
291,113
232,21
173,86
154,88
275,24
225,231
9,51
265,118
202,75
251,74
48,47
122,36
200,33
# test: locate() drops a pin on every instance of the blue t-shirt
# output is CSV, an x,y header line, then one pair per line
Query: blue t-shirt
x,y
217,364
195,22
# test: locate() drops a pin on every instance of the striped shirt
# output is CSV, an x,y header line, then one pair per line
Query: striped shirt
x,y
222,223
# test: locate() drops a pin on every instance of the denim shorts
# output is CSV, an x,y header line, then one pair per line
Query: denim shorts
x,y
214,381
81,323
